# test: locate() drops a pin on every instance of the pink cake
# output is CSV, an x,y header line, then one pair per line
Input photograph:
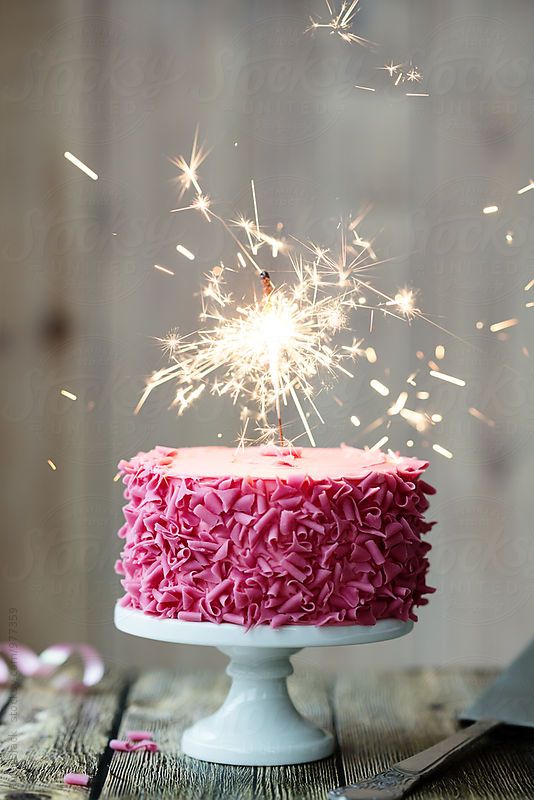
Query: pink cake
x,y
274,537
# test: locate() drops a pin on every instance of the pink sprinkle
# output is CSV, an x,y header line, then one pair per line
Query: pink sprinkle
x,y
148,745
136,736
76,779
121,745
124,746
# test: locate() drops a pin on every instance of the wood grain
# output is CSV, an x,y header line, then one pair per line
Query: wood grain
x,y
47,732
166,704
379,718
384,717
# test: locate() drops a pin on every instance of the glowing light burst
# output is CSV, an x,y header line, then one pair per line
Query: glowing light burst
x,y
403,73
404,302
189,169
340,22
268,351
270,344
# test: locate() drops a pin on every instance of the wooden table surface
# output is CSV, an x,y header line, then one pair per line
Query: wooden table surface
x,y
379,718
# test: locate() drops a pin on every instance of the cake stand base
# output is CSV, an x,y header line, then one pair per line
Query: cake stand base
x,y
257,725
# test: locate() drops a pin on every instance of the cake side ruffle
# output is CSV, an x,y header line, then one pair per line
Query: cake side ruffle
x,y
253,552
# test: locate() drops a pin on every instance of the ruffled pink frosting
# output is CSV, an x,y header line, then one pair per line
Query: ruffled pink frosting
x,y
308,537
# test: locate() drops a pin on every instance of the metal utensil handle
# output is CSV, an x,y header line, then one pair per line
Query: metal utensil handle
x,y
398,781
431,758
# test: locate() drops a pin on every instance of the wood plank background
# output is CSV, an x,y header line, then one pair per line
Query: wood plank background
x,y
378,718
123,85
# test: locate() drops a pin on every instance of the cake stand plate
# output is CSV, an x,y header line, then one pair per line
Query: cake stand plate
x,y
257,724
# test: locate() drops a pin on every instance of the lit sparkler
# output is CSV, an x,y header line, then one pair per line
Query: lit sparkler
x,y
404,301
268,350
281,346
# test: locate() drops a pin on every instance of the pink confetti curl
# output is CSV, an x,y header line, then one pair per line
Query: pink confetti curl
x,y
29,664
124,746
76,779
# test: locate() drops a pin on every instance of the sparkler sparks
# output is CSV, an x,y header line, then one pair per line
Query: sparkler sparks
x,y
448,378
379,387
391,68
481,417
83,167
501,326
400,74
404,301
185,252
442,451
398,405
189,169
269,350
381,442
403,73
340,22
275,343
415,418
164,269
413,74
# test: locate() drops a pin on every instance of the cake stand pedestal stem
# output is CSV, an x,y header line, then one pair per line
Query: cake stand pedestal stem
x,y
257,723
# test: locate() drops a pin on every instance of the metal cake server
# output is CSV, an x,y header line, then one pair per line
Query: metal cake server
x,y
508,700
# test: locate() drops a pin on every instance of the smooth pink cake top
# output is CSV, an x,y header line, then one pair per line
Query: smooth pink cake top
x,y
275,462
274,535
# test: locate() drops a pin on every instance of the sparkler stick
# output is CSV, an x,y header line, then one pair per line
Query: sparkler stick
x,y
268,289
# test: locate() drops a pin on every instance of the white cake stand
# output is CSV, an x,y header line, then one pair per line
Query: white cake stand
x,y
257,724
